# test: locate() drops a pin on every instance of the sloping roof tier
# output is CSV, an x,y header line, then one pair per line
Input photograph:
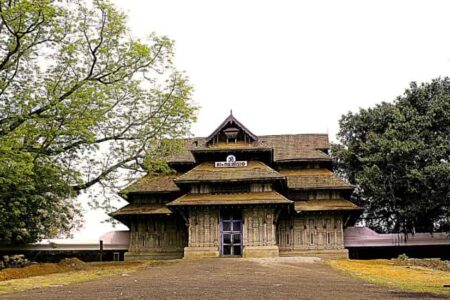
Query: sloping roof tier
x,y
286,147
142,209
314,179
184,155
230,199
254,171
153,184
292,147
241,146
325,205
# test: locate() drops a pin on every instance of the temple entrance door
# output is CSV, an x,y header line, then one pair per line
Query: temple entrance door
x,y
231,232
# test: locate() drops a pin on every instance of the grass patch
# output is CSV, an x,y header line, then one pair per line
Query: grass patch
x,y
392,273
63,273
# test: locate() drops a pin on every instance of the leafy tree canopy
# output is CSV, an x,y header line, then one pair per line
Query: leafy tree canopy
x,y
82,102
398,154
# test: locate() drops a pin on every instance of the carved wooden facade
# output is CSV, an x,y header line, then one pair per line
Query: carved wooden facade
x,y
235,193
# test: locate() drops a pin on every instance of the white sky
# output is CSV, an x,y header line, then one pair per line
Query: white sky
x,y
294,66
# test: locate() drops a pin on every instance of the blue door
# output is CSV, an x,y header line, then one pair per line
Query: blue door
x,y
231,233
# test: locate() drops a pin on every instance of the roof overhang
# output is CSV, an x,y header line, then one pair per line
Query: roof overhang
x,y
326,205
142,209
257,198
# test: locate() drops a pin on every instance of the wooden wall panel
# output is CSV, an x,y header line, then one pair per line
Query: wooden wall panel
x,y
157,234
259,228
204,227
310,232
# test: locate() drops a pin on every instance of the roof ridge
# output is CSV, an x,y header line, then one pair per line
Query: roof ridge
x,y
292,134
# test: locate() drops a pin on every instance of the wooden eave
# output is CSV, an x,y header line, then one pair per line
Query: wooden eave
x,y
256,198
325,205
249,148
152,184
206,172
142,209
314,179
325,187
301,159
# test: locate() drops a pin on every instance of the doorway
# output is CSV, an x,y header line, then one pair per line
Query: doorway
x,y
231,232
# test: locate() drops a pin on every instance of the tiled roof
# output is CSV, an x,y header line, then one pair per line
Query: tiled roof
x,y
297,146
153,184
185,155
233,198
142,209
313,179
286,147
257,145
206,171
325,205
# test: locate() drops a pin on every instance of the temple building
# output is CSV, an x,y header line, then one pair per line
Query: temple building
x,y
237,194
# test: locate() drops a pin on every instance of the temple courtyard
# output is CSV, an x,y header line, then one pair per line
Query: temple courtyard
x,y
226,278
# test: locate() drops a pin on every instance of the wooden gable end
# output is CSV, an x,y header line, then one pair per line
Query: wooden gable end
x,y
231,131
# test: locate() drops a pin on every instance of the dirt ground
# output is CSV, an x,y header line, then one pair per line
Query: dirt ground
x,y
226,278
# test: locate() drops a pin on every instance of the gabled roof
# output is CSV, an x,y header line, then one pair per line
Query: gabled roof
x,y
153,184
231,120
286,147
206,171
230,199
325,205
314,179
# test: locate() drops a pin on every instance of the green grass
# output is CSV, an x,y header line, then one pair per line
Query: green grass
x,y
388,272
62,276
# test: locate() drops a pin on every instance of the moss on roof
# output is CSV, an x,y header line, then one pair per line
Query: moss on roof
x,y
298,146
255,170
285,147
142,209
232,198
313,179
325,205
153,184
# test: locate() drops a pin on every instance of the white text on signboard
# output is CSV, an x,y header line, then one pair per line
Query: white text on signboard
x,y
230,163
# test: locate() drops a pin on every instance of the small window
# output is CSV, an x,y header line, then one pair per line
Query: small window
x,y
116,256
311,238
328,238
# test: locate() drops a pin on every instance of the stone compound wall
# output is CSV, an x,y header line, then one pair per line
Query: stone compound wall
x,y
204,233
157,237
311,235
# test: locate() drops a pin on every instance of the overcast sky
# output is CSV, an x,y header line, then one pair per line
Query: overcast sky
x,y
294,66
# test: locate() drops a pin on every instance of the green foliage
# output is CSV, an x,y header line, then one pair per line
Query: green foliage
x,y
403,257
397,154
33,199
81,103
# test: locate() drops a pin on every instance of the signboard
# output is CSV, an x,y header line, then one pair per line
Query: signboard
x,y
230,163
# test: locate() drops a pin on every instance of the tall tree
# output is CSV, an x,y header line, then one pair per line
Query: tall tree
x,y
82,102
398,156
